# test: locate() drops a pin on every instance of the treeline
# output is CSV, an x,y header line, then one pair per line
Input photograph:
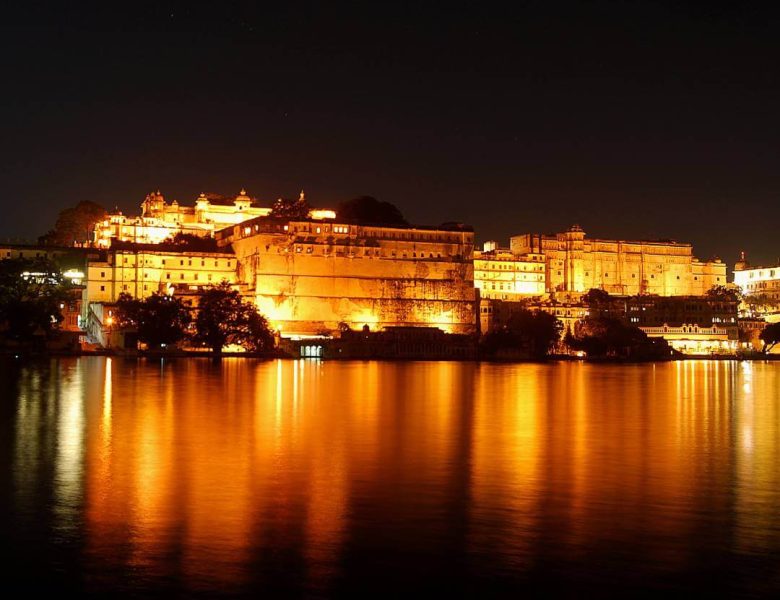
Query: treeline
x,y
220,319
537,334
32,296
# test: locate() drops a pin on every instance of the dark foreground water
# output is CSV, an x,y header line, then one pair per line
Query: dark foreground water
x,y
309,478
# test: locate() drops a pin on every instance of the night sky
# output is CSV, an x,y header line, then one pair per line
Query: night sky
x,y
634,119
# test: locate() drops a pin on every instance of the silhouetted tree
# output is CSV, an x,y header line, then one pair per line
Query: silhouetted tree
x,y
159,319
74,224
285,208
600,336
723,294
534,331
224,318
770,336
761,303
595,297
367,209
193,242
31,293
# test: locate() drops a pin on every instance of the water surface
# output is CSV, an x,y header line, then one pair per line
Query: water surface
x,y
311,478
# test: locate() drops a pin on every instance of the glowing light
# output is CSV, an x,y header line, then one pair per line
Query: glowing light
x,y
322,213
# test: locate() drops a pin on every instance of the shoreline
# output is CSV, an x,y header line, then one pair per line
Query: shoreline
x,y
184,354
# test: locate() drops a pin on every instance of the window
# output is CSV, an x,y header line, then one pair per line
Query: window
x,y
181,263
167,275
203,263
102,288
181,276
102,273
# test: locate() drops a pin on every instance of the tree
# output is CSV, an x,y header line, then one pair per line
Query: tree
x,y
600,336
535,331
770,336
31,293
223,318
723,294
284,208
761,303
160,320
367,209
595,297
195,243
75,224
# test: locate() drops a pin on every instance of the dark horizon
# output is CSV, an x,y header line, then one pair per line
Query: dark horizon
x,y
644,121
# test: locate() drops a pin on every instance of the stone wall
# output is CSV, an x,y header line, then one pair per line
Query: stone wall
x,y
311,279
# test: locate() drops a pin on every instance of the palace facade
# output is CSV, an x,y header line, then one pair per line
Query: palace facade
x,y
503,275
575,263
314,277
141,270
160,221
758,281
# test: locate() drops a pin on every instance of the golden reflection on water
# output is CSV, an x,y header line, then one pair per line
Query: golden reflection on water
x,y
224,475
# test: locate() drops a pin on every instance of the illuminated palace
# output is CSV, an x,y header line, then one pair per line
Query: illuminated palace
x,y
503,275
574,263
315,276
758,281
160,221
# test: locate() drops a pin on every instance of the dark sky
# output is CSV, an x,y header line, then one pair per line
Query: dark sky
x,y
633,119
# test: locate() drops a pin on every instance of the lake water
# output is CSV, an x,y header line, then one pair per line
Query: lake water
x,y
310,478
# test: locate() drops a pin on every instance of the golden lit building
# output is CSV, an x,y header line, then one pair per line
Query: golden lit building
x,y
574,263
698,341
502,275
755,281
311,277
145,269
160,221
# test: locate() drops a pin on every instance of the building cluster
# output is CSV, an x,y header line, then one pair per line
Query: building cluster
x,y
315,276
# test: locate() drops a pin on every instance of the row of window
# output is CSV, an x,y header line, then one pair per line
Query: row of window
x,y
195,277
507,266
368,233
366,252
164,262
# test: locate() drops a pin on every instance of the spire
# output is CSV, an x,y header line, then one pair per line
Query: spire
x,y
302,197
742,263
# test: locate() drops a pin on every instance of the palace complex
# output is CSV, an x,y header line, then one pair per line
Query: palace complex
x,y
160,221
758,281
574,263
315,276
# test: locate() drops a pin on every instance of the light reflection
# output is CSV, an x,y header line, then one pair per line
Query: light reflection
x,y
220,475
